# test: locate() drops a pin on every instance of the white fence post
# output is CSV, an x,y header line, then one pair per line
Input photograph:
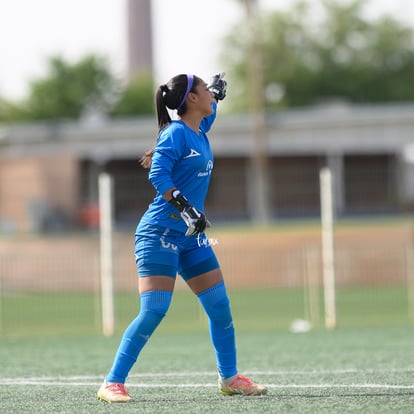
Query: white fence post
x,y
328,252
311,284
106,253
409,269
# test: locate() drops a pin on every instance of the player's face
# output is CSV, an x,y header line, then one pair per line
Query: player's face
x,y
205,98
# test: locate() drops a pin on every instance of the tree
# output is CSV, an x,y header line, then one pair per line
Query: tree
x,y
137,98
343,54
68,89
11,112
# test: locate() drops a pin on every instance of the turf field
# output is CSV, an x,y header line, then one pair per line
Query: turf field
x,y
364,366
39,314
366,370
53,357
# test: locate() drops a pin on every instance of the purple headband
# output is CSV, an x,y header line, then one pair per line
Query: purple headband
x,y
190,79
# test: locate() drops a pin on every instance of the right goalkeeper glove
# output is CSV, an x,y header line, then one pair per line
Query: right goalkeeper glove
x,y
194,219
218,86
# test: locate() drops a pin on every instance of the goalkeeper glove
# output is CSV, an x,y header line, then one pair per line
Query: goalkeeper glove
x,y
218,86
194,219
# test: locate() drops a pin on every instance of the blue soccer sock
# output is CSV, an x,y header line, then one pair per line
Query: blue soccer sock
x,y
154,306
217,307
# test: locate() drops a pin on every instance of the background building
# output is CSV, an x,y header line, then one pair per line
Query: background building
x,y
48,172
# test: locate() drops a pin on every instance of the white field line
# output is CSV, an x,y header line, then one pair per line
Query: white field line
x,y
21,381
94,380
213,374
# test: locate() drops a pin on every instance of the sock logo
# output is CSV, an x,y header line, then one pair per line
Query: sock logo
x,y
230,325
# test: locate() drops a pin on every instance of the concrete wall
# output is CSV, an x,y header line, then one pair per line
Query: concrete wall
x,y
38,192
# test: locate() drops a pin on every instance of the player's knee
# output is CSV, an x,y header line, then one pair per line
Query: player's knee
x,y
151,318
155,303
216,302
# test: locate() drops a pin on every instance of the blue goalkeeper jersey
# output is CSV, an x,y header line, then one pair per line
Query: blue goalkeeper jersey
x,y
182,159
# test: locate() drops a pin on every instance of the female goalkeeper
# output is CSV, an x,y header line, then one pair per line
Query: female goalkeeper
x,y
170,237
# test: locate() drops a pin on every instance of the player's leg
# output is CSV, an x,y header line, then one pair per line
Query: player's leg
x,y
211,292
156,285
201,271
153,308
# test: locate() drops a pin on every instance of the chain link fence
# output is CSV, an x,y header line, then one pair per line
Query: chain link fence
x,y
49,248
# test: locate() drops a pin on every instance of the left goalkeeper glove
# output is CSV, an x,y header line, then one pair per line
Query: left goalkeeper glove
x,y
195,220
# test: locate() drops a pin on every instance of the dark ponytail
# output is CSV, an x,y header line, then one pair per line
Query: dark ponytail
x,y
171,95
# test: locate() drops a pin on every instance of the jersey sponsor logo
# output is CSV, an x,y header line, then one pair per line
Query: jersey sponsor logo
x,y
208,170
193,153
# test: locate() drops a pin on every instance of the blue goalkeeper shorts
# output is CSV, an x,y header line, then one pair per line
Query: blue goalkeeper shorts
x,y
166,252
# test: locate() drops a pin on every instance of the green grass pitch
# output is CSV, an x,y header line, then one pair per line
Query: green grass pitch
x,y
364,370
53,357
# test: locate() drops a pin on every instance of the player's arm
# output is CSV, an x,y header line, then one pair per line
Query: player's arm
x,y
169,149
195,220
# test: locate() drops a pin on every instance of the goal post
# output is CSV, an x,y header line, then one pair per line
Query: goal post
x,y
328,247
106,253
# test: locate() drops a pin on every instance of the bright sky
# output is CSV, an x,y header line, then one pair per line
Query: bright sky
x,y
186,34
